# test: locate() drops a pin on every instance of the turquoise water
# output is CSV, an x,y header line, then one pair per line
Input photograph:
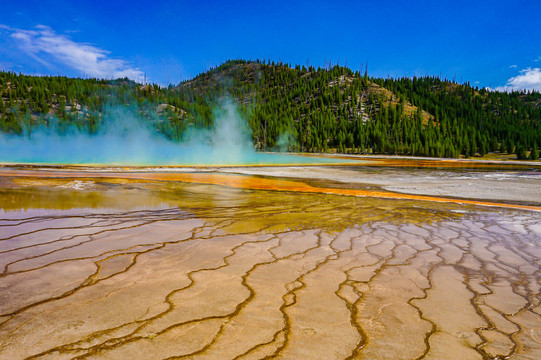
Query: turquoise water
x,y
111,151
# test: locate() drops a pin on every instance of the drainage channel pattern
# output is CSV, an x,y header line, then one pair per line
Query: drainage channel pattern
x,y
210,272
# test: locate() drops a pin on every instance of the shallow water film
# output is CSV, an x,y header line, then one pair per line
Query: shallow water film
x,y
245,267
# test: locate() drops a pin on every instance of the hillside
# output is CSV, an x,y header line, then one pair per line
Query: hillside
x,y
296,109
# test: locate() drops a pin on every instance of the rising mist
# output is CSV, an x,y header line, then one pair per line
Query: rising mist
x,y
124,138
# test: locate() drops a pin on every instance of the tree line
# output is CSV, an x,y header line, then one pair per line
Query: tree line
x,y
305,109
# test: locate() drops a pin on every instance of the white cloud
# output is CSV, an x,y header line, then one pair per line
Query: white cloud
x,y
529,79
87,59
512,66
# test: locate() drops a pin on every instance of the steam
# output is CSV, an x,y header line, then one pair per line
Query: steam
x,y
228,142
125,139
285,142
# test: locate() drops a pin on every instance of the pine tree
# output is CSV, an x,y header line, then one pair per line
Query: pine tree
x,y
520,152
534,154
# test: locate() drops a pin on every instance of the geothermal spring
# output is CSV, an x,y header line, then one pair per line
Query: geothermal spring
x,y
358,259
126,255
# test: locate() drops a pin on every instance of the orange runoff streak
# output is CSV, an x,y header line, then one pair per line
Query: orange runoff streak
x,y
255,183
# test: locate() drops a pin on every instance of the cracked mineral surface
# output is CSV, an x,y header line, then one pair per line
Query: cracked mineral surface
x,y
162,265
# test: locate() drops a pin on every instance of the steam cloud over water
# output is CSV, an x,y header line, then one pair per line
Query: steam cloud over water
x,y
125,139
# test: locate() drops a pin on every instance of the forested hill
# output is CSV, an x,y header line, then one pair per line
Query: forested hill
x,y
295,109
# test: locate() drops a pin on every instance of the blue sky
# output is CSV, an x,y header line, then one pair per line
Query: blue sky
x,y
493,44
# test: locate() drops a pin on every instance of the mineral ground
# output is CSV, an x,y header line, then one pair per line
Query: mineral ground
x,y
177,266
